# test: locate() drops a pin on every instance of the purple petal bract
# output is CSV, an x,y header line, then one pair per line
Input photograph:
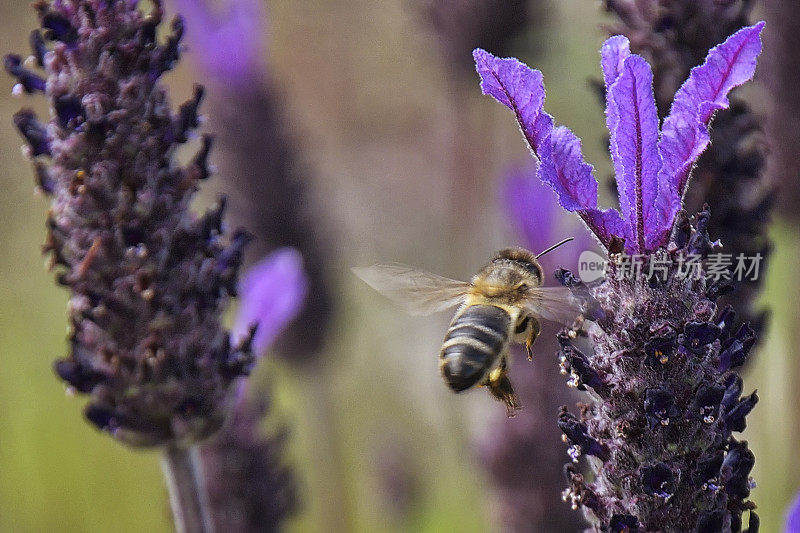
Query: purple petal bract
x,y
685,133
561,163
634,147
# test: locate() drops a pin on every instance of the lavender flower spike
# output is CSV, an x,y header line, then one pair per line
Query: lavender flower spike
x,y
148,278
650,190
661,360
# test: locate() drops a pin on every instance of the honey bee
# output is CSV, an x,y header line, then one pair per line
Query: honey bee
x,y
501,304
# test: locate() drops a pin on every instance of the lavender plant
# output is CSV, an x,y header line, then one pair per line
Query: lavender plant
x,y
661,365
148,278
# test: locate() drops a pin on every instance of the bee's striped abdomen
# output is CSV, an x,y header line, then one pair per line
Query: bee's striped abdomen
x,y
475,338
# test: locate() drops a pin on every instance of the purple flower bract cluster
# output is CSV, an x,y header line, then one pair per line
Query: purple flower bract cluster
x,y
652,170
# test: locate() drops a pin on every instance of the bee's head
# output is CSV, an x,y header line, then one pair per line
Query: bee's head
x,y
514,268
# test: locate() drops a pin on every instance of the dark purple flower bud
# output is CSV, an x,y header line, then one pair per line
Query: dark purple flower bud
x,y
167,55
104,418
188,118
33,131
579,440
44,181
624,523
200,162
735,349
697,335
735,417
69,111
700,242
38,47
59,27
661,349
230,259
713,522
575,363
725,321
29,81
657,480
733,389
212,220
735,471
720,287
81,377
660,408
706,402
706,474
579,492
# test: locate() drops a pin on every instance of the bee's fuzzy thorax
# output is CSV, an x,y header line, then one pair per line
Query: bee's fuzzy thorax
x,y
509,268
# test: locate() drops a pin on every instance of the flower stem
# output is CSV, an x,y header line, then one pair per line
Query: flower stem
x,y
187,491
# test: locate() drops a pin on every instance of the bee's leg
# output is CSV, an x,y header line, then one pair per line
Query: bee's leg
x,y
500,387
535,328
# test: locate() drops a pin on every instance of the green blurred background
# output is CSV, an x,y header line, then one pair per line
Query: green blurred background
x,y
375,117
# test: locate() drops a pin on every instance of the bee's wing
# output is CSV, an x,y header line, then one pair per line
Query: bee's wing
x,y
419,292
557,304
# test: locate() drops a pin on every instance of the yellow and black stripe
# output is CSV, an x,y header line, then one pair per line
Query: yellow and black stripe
x,y
477,335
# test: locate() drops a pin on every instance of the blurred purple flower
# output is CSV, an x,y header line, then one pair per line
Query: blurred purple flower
x,y
793,516
229,38
250,489
533,208
272,293
535,214
265,177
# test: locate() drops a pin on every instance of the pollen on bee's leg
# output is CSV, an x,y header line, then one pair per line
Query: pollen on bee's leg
x,y
500,387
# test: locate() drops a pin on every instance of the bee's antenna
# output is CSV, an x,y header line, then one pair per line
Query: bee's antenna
x,y
554,247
